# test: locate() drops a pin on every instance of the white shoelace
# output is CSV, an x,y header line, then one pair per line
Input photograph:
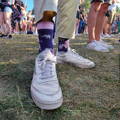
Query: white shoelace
x,y
76,54
46,69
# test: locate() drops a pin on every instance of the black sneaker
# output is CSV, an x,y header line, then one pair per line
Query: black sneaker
x,y
2,35
9,36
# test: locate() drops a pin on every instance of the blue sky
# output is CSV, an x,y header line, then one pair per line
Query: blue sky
x,y
29,4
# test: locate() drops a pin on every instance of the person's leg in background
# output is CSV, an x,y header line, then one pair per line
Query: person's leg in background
x,y
45,88
77,24
17,30
77,21
65,30
7,20
92,17
2,22
111,19
100,20
110,16
96,19
106,29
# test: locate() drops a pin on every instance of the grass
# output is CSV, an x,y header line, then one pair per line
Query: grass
x,y
89,94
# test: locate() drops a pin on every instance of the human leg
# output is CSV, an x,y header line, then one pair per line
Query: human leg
x,y
45,88
95,25
7,20
100,20
105,26
65,31
2,23
92,18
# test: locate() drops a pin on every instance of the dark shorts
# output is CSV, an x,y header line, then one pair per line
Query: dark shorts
x,y
104,1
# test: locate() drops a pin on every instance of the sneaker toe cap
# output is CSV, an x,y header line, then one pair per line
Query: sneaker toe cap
x,y
87,64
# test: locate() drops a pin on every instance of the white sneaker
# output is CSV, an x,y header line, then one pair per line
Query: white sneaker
x,y
72,57
105,44
97,47
107,36
45,89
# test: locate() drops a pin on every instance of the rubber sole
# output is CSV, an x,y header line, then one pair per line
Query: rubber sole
x,y
60,61
47,105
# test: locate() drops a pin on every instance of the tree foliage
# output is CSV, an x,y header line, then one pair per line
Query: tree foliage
x,y
87,4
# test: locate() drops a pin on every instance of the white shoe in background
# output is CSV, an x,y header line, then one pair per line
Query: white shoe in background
x,y
94,45
106,35
106,44
45,88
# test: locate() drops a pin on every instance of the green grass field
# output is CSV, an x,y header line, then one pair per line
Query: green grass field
x,y
89,94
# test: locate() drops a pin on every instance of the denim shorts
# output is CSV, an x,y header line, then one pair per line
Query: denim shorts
x,y
104,1
7,9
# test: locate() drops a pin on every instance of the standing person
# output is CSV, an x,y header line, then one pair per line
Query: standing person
x,y
77,20
5,18
114,26
96,18
79,12
29,25
20,7
109,19
45,88
82,23
106,29
118,24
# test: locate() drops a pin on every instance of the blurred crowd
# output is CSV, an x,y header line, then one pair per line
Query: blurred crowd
x,y
14,19
111,25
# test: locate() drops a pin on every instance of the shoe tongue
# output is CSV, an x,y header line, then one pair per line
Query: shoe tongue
x,y
69,48
47,55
